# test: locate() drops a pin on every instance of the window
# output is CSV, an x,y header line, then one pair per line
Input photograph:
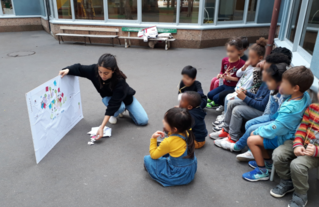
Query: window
x,y
231,10
294,16
89,9
310,28
122,9
6,6
209,11
189,11
64,9
251,13
159,11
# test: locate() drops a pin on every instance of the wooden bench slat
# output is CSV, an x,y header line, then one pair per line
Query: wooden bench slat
x,y
137,29
89,29
141,38
87,35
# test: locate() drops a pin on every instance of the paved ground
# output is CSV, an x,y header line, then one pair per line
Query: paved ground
x,y
111,173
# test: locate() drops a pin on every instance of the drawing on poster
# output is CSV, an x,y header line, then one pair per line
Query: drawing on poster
x,y
54,109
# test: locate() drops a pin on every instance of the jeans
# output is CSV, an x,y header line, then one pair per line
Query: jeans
x,y
136,111
251,126
237,111
214,94
288,166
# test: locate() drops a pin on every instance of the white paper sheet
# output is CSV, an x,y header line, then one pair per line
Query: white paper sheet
x,y
107,132
54,108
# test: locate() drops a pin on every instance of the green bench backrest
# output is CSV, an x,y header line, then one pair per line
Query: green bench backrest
x,y
160,30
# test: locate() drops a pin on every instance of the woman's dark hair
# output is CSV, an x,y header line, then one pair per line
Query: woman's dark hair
x,y
236,42
108,61
181,119
190,71
284,51
276,71
260,46
245,42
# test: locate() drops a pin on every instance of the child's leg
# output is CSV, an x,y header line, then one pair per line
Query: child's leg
x,y
230,106
223,94
256,145
282,157
213,84
215,92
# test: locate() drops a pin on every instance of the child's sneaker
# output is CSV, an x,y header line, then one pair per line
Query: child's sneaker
x,y
209,101
220,117
218,128
229,145
218,135
211,105
220,108
244,157
298,200
216,123
256,175
284,187
218,142
253,164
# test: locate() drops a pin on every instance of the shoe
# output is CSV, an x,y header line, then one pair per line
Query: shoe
x,y
121,115
209,101
244,157
218,142
216,123
218,135
253,164
218,128
298,200
256,175
220,117
284,187
220,108
113,120
229,145
211,105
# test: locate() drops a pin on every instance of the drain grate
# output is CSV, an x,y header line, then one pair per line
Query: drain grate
x,y
21,53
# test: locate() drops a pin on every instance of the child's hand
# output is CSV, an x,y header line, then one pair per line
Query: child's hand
x,y
157,134
247,63
219,76
64,72
299,151
310,150
240,94
261,64
99,133
227,77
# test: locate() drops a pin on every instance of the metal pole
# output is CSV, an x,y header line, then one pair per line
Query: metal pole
x,y
273,26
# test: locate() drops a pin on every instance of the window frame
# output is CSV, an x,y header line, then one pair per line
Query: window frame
x,y
7,15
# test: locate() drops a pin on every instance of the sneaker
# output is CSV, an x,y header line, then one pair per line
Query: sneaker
x,y
121,115
218,128
209,101
253,164
211,105
298,200
220,108
229,145
218,135
220,117
218,142
256,175
216,123
244,157
113,120
284,187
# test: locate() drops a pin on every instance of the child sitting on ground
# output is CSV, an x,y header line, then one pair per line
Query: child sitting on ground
x,y
215,81
276,64
227,75
295,83
180,166
189,83
294,159
191,101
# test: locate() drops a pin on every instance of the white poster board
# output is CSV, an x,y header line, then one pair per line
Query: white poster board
x,y
54,108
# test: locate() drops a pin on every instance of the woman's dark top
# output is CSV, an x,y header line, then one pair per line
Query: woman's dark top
x,y
121,91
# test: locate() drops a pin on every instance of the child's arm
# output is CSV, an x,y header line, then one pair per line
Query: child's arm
x,y
162,149
257,104
85,71
301,132
228,77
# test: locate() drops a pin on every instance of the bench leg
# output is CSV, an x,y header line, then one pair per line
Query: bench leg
x,y
119,40
113,42
59,39
85,41
129,43
169,44
272,174
90,40
62,39
166,45
125,43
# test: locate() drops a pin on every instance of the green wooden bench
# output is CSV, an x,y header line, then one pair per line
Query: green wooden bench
x,y
137,29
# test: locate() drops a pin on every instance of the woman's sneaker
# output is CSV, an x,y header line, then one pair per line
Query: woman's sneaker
x,y
256,175
284,187
220,108
244,157
113,120
298,200
253,164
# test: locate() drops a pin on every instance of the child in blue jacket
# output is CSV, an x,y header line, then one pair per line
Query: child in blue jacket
x,y
295,82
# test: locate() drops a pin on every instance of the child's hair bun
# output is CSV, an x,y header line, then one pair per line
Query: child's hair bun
x,y
261,42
